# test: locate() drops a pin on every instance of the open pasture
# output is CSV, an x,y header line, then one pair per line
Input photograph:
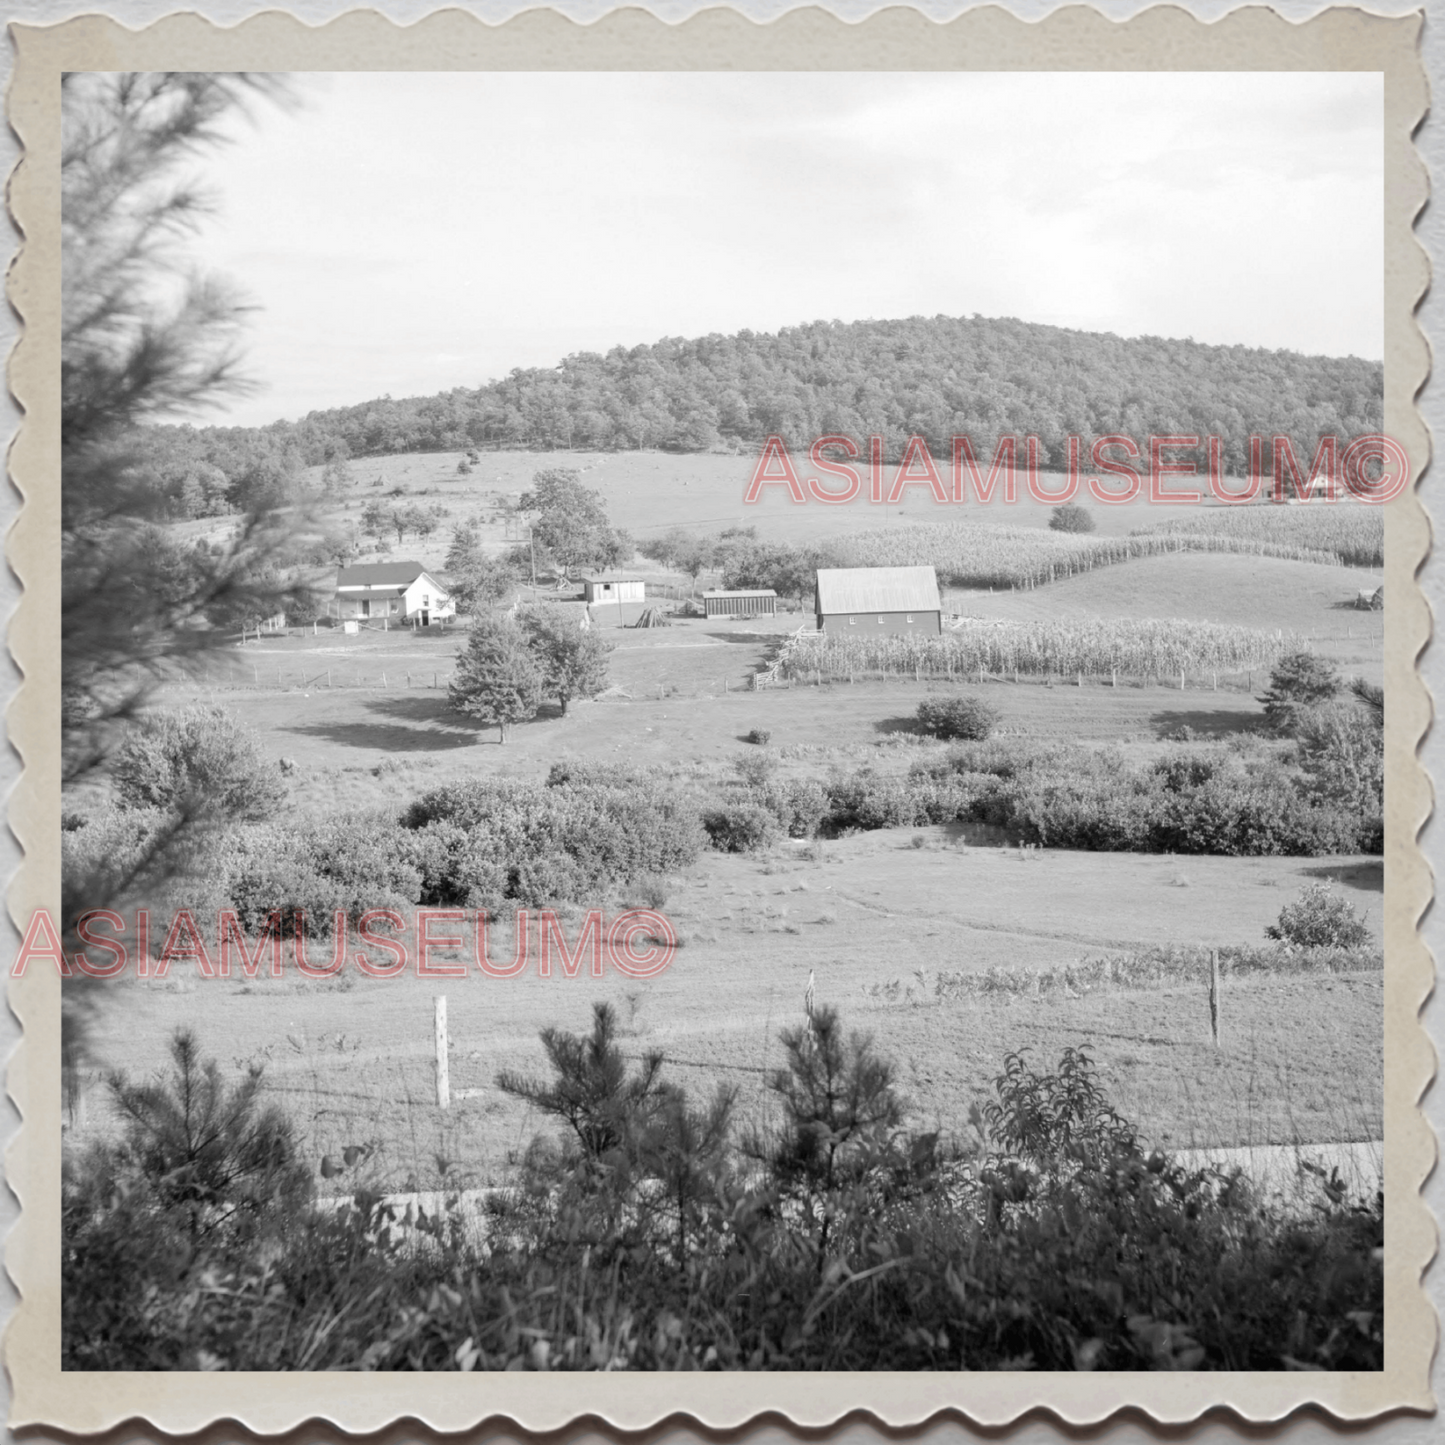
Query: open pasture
x,y
650,492
369,746
352,1059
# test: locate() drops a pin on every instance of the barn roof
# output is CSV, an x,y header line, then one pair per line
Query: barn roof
x,y
878,589
741,592
379,574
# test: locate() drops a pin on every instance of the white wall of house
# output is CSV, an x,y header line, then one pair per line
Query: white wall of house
x,y
425,597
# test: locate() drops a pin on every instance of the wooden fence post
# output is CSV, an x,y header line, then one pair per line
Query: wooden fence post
x,y
444,1085
1214,995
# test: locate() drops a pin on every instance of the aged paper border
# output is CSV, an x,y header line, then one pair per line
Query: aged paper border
x,y
1164,38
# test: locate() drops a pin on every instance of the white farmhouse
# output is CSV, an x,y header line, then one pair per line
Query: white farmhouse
x,y
403,591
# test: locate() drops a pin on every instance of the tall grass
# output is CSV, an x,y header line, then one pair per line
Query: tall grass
x,y
972,554
1091,647
1354,535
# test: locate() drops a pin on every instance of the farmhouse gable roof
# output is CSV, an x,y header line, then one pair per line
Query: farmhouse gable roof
x,y
878,589
379,574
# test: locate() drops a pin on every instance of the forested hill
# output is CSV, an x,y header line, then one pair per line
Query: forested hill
x,y
933,377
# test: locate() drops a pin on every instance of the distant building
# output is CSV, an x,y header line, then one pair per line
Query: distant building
x,y
400,591
878,600
613,587
741,602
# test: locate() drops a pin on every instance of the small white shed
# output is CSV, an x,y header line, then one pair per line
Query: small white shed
x,y
614,587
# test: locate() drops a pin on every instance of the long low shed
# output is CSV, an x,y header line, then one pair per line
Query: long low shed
x,y
758,602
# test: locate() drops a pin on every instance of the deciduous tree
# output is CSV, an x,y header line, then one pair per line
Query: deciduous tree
x,y
497,678
573,658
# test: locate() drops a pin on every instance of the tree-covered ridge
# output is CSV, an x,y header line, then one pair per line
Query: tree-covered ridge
x,y
934,377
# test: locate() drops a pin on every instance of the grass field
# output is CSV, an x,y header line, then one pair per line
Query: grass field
x,y
650,492
1300,1062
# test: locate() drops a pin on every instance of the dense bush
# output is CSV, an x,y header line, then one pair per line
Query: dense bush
x,y
740,826
588,830
1071,517
968,718
1319,918
1235,800
197,760
759,735
204,1176
348,863
799,805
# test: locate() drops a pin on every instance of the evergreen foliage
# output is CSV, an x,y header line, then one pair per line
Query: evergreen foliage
x,y
497,679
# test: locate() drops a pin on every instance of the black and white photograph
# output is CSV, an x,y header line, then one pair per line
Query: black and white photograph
x,y
723,721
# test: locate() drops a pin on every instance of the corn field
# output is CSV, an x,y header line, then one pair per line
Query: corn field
x,y
1090,647
1352,534
976,554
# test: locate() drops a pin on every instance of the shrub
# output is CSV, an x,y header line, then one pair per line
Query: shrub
x,y
197,760
740,827
591,828
1341,751
759,735
1071,517
952,718
755,768
1298,682
349,863
647,892
1319,918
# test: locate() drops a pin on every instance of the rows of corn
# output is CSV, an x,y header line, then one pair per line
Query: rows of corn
x,y
1088,647
1354,534
972,554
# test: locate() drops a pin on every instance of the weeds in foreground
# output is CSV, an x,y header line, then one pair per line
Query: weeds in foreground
x,y
653,1235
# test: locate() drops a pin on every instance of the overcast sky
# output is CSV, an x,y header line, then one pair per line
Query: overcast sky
x,y
406,233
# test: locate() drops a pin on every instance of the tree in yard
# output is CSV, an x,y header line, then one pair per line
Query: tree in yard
x,y
497,678
571,523
199,762
478,582
336,477
465,549
789,571
681,551
374,520
573,658
1299,682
